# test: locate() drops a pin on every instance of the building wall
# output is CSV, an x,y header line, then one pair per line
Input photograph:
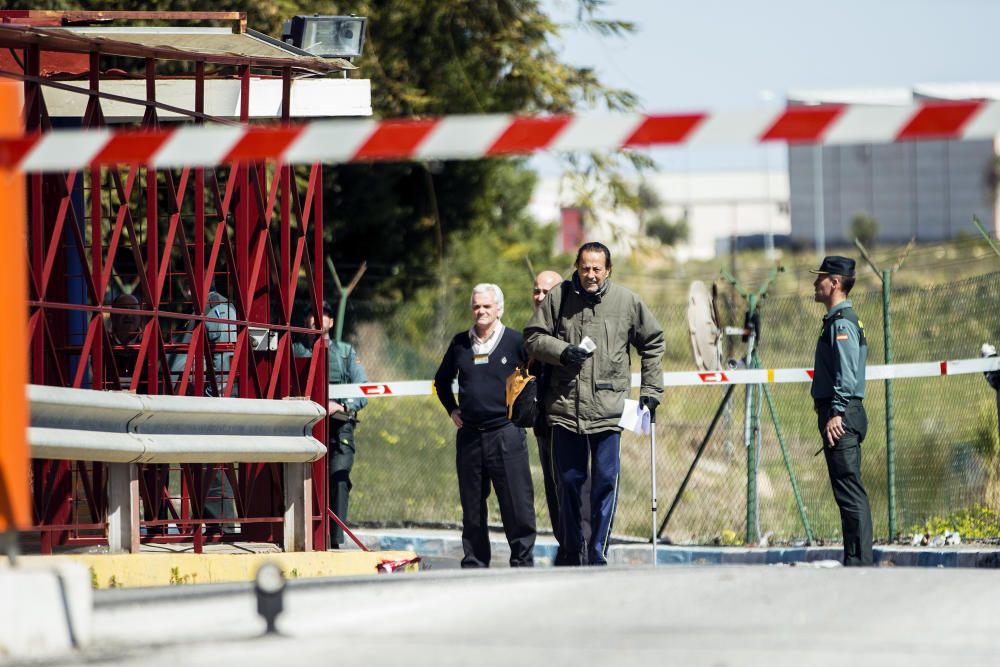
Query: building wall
x,y
718,206
928,189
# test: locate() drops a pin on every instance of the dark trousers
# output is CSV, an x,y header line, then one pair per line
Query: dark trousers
x,y
499,456
543,434
843,462
341,460
570,452
219,500
156,484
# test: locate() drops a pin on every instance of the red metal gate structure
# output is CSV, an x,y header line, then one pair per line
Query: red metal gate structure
x,y
127,262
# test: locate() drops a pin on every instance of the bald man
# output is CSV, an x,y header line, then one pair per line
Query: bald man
x,y
544,282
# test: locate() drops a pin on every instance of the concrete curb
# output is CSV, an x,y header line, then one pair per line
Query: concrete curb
x,y
440,545
164,569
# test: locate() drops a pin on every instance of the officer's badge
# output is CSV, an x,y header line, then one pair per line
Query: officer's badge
x,y
503,361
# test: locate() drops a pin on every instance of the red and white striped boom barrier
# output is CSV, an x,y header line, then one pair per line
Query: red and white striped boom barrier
x,y
474,137
707,378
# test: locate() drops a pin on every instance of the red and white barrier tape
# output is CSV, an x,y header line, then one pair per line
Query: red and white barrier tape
x,y
696,378
472,137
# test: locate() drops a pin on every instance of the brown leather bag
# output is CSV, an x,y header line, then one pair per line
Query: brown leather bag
x,y
522,394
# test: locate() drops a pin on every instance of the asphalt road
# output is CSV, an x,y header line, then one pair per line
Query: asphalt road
x,y
715,616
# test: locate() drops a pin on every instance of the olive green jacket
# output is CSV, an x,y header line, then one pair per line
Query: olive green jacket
x,y
590,398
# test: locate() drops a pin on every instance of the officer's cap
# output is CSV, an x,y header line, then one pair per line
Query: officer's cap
x,y
836,265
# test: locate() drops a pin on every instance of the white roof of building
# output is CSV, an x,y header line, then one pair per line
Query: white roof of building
x,y
984,90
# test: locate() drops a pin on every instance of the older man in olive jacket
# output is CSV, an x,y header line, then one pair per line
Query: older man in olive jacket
x,y
587,386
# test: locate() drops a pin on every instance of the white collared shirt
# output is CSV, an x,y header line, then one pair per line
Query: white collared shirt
x,y
481,346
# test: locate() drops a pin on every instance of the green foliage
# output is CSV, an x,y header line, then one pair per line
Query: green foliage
x,y
729,538
648,198
667,232
178,579
985,441
976,522
487,254
865,229
397,439
452,57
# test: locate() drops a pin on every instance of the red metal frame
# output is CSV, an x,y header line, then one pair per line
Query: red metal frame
x,y
251,232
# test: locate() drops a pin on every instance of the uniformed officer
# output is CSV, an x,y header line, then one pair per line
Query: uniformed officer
x,y
838,388
220,500
342,368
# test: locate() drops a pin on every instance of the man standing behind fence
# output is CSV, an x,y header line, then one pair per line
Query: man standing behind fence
x,y
488,446
838,388
586,391
342,367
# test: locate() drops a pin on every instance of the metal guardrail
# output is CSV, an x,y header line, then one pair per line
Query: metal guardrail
x,y
124,429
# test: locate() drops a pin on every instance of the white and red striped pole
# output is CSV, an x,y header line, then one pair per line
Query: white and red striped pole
x,y
473,137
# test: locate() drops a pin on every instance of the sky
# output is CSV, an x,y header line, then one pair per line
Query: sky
x,y
704,55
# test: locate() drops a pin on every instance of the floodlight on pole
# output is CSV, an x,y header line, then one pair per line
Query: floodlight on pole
x,y
327,36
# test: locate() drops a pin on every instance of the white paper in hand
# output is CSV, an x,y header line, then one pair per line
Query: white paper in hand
x,y
634,417
588,344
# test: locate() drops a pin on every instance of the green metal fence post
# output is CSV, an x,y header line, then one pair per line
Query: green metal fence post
x,y
986,234
890,441
750,413
748,434
344,294
788,465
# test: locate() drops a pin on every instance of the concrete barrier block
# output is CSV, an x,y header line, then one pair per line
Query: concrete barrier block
x,y
45,610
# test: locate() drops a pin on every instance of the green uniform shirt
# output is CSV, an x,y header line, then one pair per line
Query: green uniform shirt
x,y
342,367
841,355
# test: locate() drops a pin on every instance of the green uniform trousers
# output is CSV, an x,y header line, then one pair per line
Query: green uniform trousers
x,y
843,462
341,460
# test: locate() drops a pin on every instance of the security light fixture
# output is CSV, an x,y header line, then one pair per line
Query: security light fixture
x,y
327,36
269,585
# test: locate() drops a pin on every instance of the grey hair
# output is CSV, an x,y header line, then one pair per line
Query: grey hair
x,y
482,288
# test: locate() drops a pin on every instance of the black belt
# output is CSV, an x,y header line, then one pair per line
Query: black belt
x,y
483,429
819,403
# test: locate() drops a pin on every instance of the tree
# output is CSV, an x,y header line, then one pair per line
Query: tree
x,y
865,229
668,232
448,57
652,222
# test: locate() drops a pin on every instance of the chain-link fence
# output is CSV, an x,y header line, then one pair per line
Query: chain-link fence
x,y
947,455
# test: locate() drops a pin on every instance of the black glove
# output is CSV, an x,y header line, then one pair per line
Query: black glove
x,y
573,355
650,402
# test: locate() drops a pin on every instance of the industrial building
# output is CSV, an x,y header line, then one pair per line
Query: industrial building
x,y
929,190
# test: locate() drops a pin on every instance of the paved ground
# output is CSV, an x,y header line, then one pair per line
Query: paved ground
x,y
443,549
708,615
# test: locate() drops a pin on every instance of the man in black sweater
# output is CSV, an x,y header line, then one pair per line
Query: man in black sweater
x,y
488,446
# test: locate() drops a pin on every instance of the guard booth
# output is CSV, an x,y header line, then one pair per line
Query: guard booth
x,y
177,281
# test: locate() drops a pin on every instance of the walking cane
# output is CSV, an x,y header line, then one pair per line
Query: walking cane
x,y
652,478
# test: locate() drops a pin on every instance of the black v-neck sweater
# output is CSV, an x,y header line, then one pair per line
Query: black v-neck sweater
x,y
481,387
